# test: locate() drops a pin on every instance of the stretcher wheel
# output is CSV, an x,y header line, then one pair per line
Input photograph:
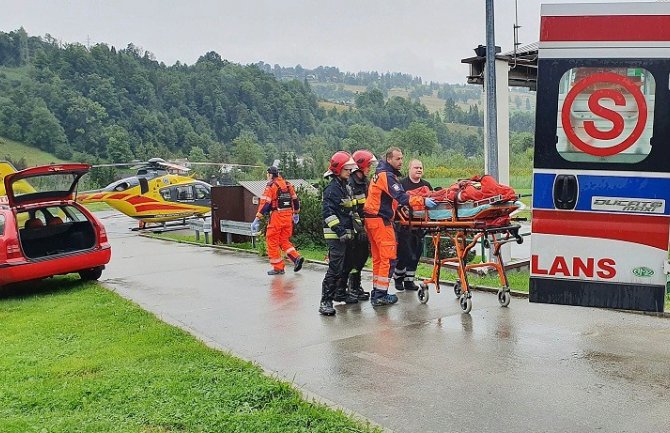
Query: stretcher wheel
x,y
423,294
504,297
466,304
457,289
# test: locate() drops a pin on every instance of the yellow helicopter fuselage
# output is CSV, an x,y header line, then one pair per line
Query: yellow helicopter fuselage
x,y
161,199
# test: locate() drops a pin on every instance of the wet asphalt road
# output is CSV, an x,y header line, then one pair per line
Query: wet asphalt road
x,y
411,367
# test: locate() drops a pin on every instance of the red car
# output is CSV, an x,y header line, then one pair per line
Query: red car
x,y
43,231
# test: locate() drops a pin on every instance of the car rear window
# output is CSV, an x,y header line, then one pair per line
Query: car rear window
x,y
55,215
48,183
74,214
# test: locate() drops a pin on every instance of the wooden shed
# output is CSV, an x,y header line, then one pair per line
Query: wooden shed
x,y
234,208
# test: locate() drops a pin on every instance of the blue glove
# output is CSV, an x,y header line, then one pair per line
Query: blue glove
x,y
429,203
255,226
296,218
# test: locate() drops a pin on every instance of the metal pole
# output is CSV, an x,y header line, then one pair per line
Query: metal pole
x,y
490,88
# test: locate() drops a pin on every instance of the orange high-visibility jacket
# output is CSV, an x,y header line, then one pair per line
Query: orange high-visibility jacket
x,y
385,193
279,194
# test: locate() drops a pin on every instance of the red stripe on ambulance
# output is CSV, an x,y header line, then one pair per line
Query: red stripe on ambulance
x,y
651,230
605,28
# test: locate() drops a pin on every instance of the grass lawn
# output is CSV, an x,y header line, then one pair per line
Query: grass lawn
x,y
77,358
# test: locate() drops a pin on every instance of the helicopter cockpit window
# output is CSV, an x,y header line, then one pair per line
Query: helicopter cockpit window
x,y
121,186
201,193
165,193
185,193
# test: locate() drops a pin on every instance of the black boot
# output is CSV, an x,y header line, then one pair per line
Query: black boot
x,y
409,285
327,293
326,308
355,287
342,295
399,286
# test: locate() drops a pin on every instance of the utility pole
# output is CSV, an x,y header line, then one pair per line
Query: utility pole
x,y
491,143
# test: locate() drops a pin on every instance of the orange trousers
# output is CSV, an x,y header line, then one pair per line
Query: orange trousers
x,y
278,238
383,248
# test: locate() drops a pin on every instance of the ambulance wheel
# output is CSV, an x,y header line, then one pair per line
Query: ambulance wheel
x,y
457,289
466,304
423,294
504,297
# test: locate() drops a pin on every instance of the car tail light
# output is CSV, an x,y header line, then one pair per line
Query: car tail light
x,y
14,249
103,233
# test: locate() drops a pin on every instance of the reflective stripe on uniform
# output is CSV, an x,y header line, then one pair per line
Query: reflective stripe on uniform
x,y
359,199
330,234
346,202
332,221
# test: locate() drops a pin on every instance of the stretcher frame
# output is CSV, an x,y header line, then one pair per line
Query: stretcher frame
x,y
465,235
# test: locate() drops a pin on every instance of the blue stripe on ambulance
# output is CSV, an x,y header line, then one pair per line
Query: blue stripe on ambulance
x,y
603,186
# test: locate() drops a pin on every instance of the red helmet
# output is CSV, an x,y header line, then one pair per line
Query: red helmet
x,y
339,161
364,158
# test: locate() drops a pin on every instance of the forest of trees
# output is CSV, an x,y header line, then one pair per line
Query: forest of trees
x,y
100,103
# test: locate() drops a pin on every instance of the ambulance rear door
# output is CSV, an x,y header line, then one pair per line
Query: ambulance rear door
x,y
601,180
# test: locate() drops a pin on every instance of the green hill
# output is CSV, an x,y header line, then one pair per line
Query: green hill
x,y
14,151
101,103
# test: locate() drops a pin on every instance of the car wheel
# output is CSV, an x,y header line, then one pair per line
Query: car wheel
x,y
91,274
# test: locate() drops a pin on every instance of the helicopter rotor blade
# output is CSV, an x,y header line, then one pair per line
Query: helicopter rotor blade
x,y
225,164
120,164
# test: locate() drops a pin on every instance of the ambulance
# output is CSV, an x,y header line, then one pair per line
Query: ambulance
x,y
601,178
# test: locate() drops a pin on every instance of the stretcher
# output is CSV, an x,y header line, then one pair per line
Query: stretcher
x,y
466,224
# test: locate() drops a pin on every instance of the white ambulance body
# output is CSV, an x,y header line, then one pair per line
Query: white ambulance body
x,y
601,182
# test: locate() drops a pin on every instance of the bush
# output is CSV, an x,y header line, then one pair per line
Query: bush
x,y
309,231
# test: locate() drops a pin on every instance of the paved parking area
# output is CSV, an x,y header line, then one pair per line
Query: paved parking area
x,y
411,367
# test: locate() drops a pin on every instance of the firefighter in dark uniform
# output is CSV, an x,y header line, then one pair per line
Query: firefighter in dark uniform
x,y
410,242
338,230
359,183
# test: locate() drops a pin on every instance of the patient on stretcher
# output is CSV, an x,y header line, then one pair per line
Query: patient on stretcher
x,y
478,198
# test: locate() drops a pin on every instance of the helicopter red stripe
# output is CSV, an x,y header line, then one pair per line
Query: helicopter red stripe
x,y
118,196
139,200
146,207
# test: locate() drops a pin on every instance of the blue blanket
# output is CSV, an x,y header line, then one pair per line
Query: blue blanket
x,y
465,212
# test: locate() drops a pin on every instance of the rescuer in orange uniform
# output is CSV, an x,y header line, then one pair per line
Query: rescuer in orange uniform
x,y
384,195
281,202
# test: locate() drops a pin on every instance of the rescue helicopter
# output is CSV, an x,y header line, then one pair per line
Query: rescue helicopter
x,y
160,192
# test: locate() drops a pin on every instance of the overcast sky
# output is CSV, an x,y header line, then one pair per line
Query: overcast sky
x,y
427,38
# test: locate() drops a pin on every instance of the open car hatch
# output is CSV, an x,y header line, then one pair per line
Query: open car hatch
x,y
54,182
